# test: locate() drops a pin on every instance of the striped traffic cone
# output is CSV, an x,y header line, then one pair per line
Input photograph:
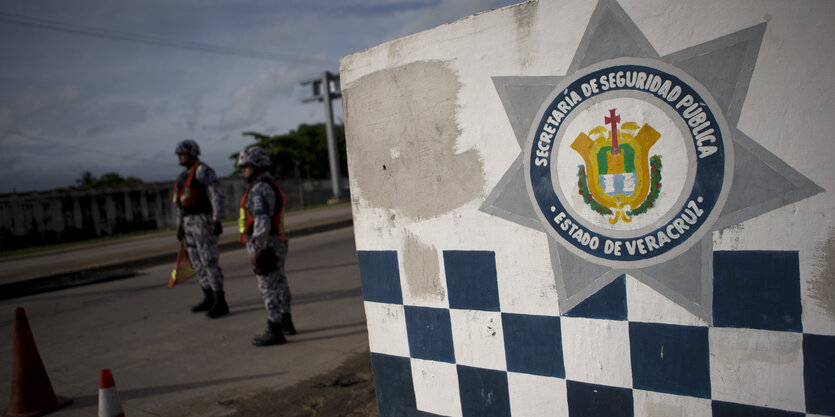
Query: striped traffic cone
x,y
31,391
108,397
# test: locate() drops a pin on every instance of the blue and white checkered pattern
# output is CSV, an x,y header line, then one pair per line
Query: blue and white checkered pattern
x,y
472,359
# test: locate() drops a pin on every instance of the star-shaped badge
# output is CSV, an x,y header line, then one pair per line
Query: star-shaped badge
x,y
631,160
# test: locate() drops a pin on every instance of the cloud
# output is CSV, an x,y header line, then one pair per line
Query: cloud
x,y
249,104
67,112
449,11
5,117
336,10
110,117
32,102
385,8
93,102
191,113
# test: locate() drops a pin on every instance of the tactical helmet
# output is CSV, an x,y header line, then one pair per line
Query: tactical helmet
x,y
255,156
188,147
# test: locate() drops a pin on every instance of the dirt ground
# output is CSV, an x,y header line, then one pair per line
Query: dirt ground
x,y
347,391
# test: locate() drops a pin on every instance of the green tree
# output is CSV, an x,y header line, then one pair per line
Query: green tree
x,y
88,180
302,153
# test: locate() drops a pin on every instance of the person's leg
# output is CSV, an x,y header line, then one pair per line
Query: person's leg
x,y
191,226
206,243
283,291
268,287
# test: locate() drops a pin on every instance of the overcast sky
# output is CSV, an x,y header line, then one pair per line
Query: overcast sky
x,y
112,86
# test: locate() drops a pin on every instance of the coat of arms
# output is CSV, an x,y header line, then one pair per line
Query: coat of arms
x,y
619,178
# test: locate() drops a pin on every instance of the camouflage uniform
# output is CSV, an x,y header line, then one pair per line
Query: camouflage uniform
x,y
262,201
200,240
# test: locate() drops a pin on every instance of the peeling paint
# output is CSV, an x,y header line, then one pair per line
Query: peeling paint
x,y
402,139
822,284
490,328
735,233
421,269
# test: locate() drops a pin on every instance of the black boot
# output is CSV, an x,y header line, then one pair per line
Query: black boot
x,y
219,308
287,324
207,302
271,336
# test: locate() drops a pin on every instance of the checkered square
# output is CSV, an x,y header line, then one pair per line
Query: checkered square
x,y
671,359
595,351
533,344
466,271
380,276
652,404
723,409
819,373
591,400
757,290
757,367
484,392
482,329
608,303
436,387
429,333
472,359
393,380
536,396
387,331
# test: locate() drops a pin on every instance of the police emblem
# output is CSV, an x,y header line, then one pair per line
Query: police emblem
x,y
618,168
595,156
629,162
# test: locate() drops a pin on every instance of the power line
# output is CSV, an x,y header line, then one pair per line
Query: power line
x,y
27,21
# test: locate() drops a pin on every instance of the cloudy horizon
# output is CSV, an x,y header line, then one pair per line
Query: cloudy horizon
x,y
112,87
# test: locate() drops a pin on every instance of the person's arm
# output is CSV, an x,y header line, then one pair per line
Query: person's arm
x,y
207,176
181,234
260,202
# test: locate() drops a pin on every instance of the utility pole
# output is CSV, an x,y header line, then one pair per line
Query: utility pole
x,y
326,89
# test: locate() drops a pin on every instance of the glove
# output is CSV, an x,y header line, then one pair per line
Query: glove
x,y
265,262
217,228
181,234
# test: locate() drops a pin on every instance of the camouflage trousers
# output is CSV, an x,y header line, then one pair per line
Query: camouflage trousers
x,y
201,245
274,288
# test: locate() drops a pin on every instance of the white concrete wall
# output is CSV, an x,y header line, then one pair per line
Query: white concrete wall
x,y
432,149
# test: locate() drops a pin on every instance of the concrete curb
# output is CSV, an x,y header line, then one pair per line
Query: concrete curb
x,y
123,270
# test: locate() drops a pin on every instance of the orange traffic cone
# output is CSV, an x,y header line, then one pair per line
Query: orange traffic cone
x,y
108,397
183,269
31,393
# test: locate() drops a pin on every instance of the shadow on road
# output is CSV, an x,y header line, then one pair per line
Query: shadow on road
x,y
321,267
254,304
92,400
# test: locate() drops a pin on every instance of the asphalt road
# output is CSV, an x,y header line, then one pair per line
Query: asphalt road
x,y
128,252
167,361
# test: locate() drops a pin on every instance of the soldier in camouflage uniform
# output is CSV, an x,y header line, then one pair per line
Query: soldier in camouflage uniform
x,y
199,201
262,229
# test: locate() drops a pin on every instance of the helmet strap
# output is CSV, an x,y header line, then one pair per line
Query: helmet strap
x,y
256,172
191,161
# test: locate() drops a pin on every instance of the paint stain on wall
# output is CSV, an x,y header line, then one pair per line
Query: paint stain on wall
x,y
402,131
525,17
822,284
734,233
664,410
421,269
